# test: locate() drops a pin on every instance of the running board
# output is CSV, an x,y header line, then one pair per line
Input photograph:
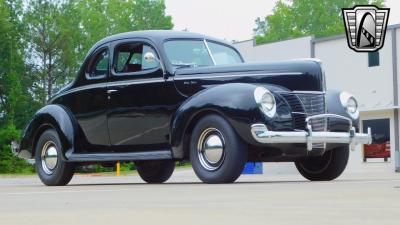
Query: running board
x,y
125,156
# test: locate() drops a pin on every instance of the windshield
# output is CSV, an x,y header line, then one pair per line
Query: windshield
x,y
200,53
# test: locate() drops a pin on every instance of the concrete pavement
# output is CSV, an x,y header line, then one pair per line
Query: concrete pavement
x,y
371,197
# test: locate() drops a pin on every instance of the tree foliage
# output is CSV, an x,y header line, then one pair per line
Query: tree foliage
x,y
46,45
96,19
296,18
13,96
11,63
42,45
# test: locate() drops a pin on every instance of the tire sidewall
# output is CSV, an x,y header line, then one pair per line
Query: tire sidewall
x,y
235,151
155,171
334,168
58,172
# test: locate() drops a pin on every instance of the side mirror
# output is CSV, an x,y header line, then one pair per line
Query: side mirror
x,y
149,57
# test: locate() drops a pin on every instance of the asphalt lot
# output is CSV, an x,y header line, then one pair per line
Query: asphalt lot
x,y
362,198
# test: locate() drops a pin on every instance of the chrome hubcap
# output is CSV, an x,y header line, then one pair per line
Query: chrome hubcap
x,y
49,157
210,148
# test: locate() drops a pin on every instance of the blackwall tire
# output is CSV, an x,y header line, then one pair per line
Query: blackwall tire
x,y
217,153
327,167
155,171
51,168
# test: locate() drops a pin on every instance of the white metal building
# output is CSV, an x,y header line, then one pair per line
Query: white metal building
x,y
371,77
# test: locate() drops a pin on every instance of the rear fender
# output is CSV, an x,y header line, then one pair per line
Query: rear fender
x,y
51,116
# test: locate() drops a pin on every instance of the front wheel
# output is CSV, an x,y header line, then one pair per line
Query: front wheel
x,y
155,171
51,168
217,153
329,166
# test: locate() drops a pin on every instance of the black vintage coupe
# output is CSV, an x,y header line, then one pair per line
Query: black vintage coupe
x,y
157,97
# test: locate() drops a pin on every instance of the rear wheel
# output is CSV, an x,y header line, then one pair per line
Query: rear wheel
x,y
217,153
329,166
155,171
51,168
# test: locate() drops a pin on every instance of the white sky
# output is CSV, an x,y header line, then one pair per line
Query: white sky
x,y
232,19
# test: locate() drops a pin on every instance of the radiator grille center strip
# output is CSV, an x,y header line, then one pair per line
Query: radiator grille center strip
x,y
304,105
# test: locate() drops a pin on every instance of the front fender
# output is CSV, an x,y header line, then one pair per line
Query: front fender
x,y
235,102
334,106
51,116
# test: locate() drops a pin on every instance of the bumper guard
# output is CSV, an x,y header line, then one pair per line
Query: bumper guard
x,y
261,134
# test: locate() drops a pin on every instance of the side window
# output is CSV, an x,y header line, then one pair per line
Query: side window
x,y
223,55
121,60
98,65
130,58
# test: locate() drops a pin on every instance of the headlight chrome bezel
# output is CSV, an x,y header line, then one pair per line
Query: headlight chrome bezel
x,y
345,99
260,95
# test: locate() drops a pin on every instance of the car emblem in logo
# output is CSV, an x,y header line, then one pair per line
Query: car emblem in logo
x,y
365,27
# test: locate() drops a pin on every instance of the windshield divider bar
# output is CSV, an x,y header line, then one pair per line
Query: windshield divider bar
x,y
209,52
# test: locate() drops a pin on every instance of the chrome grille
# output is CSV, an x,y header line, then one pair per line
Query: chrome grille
x,y
314,104
307,104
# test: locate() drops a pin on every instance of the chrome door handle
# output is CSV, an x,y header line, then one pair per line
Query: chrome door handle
x,y
109,91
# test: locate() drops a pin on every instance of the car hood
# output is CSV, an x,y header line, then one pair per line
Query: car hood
x,y
292,75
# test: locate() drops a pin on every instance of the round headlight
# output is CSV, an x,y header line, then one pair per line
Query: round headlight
x,y
265,100
350,104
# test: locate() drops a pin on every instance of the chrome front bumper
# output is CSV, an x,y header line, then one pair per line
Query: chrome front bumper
x,y
261,134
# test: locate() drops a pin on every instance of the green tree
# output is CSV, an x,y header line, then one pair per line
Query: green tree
x,y
97,19
47,43
15,101
10,63
296,18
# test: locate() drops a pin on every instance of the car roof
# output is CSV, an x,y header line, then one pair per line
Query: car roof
x,y
155,35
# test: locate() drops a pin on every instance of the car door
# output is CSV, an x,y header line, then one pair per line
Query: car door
x,y
87,100
138,107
